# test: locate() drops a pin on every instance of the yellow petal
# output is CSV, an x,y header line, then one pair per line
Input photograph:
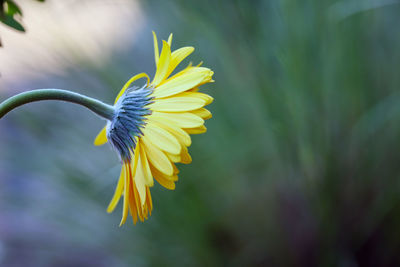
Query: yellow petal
x,y
190,69
139,176
146,167
129,172
178,103
173,158
140,184
101,138
162,179
161,138
180,84
125,208
166,183
170,40
156,51
196,89
135,201
118,191
149,201
178,56
183,120
185,156
157,158
209,99
163,64
197,130
208,79
176,171
182,136
132,198
129,82
202,113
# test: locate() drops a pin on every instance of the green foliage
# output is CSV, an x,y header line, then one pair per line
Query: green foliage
x,y
11,15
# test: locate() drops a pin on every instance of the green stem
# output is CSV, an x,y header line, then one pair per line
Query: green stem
x,y
98,107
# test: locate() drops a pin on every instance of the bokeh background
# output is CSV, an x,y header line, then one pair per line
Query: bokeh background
x,y
300,165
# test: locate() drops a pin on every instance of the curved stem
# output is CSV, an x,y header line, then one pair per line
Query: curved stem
x,y
98,107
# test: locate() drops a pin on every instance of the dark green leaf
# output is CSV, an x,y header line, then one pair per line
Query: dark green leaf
x,y
2,6
10,21
12,8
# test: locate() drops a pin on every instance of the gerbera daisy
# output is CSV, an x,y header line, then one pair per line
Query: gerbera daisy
x,y
151,125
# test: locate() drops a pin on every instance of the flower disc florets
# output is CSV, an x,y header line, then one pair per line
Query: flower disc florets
x,y
129,119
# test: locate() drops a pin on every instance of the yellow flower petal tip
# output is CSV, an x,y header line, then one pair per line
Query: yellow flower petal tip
x,y
151,126
101,138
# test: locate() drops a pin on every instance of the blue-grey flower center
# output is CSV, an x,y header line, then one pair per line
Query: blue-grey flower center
x,y
129,119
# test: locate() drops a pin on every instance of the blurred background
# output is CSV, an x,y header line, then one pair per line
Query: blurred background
x,y
300,165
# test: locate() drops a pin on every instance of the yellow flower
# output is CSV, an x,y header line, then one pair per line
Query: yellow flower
x,y
151,126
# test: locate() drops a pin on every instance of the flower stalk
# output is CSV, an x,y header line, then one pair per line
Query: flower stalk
x,y
102,109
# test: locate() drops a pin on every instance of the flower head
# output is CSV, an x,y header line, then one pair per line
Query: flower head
x,y
151,126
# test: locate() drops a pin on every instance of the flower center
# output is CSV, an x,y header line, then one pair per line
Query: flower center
x,y
128,120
